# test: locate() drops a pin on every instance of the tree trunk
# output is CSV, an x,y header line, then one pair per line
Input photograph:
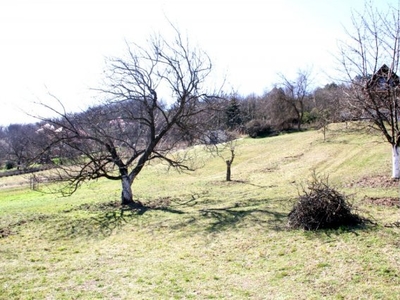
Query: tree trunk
x,y
126,195
299,123
229,164
228,170
395,162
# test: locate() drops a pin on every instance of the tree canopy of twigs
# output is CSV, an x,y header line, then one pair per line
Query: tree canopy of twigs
x,y
156,103
369,60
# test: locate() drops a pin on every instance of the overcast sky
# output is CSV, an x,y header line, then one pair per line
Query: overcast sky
x,y
60,46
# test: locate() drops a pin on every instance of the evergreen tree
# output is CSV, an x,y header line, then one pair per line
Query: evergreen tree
x,y
233,114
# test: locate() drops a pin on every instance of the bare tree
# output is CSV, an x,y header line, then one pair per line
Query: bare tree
x,y
226,151
280,111
328,101
135,125
328,106
251,108
297,92
18,144
369,58
229,161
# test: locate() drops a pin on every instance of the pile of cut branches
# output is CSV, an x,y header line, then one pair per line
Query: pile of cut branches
x,y
322,207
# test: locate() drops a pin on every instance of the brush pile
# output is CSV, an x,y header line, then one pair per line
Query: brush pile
x,y
322,207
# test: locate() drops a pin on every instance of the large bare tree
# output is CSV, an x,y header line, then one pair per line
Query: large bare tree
x,y
155,104
369,57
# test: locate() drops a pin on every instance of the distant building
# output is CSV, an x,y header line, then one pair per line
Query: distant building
x,y
381,90
383,81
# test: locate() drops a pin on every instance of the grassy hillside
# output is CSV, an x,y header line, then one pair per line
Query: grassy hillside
x,y
205,238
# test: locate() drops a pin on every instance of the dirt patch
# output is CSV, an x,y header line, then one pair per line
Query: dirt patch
x,y
379,181
12,228
5,232
384,201
116,205
160,203
95,207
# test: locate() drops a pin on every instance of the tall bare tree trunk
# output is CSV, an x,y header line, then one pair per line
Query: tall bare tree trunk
x,y
395,162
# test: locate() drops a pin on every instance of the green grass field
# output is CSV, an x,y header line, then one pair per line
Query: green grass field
x,y
205,238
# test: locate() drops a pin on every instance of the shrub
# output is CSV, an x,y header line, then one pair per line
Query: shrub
x,y
259,128
322,207
310,117
10,165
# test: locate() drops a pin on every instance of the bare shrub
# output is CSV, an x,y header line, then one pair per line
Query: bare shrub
x,y
322,207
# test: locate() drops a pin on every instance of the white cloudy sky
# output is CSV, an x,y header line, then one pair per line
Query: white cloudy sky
x,y
59,46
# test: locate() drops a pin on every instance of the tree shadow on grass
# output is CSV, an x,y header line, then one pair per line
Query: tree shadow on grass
x,y
230,217
100,219
331,234
109,222
194,212
237,215
111,217
245,182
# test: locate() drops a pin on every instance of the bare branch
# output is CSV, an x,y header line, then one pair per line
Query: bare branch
x,y
155,104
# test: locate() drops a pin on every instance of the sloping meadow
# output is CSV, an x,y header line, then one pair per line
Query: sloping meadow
x,y
201,237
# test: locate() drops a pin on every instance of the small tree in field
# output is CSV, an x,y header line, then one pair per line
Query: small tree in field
x,y
370,58
229,160
136,125
225,149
